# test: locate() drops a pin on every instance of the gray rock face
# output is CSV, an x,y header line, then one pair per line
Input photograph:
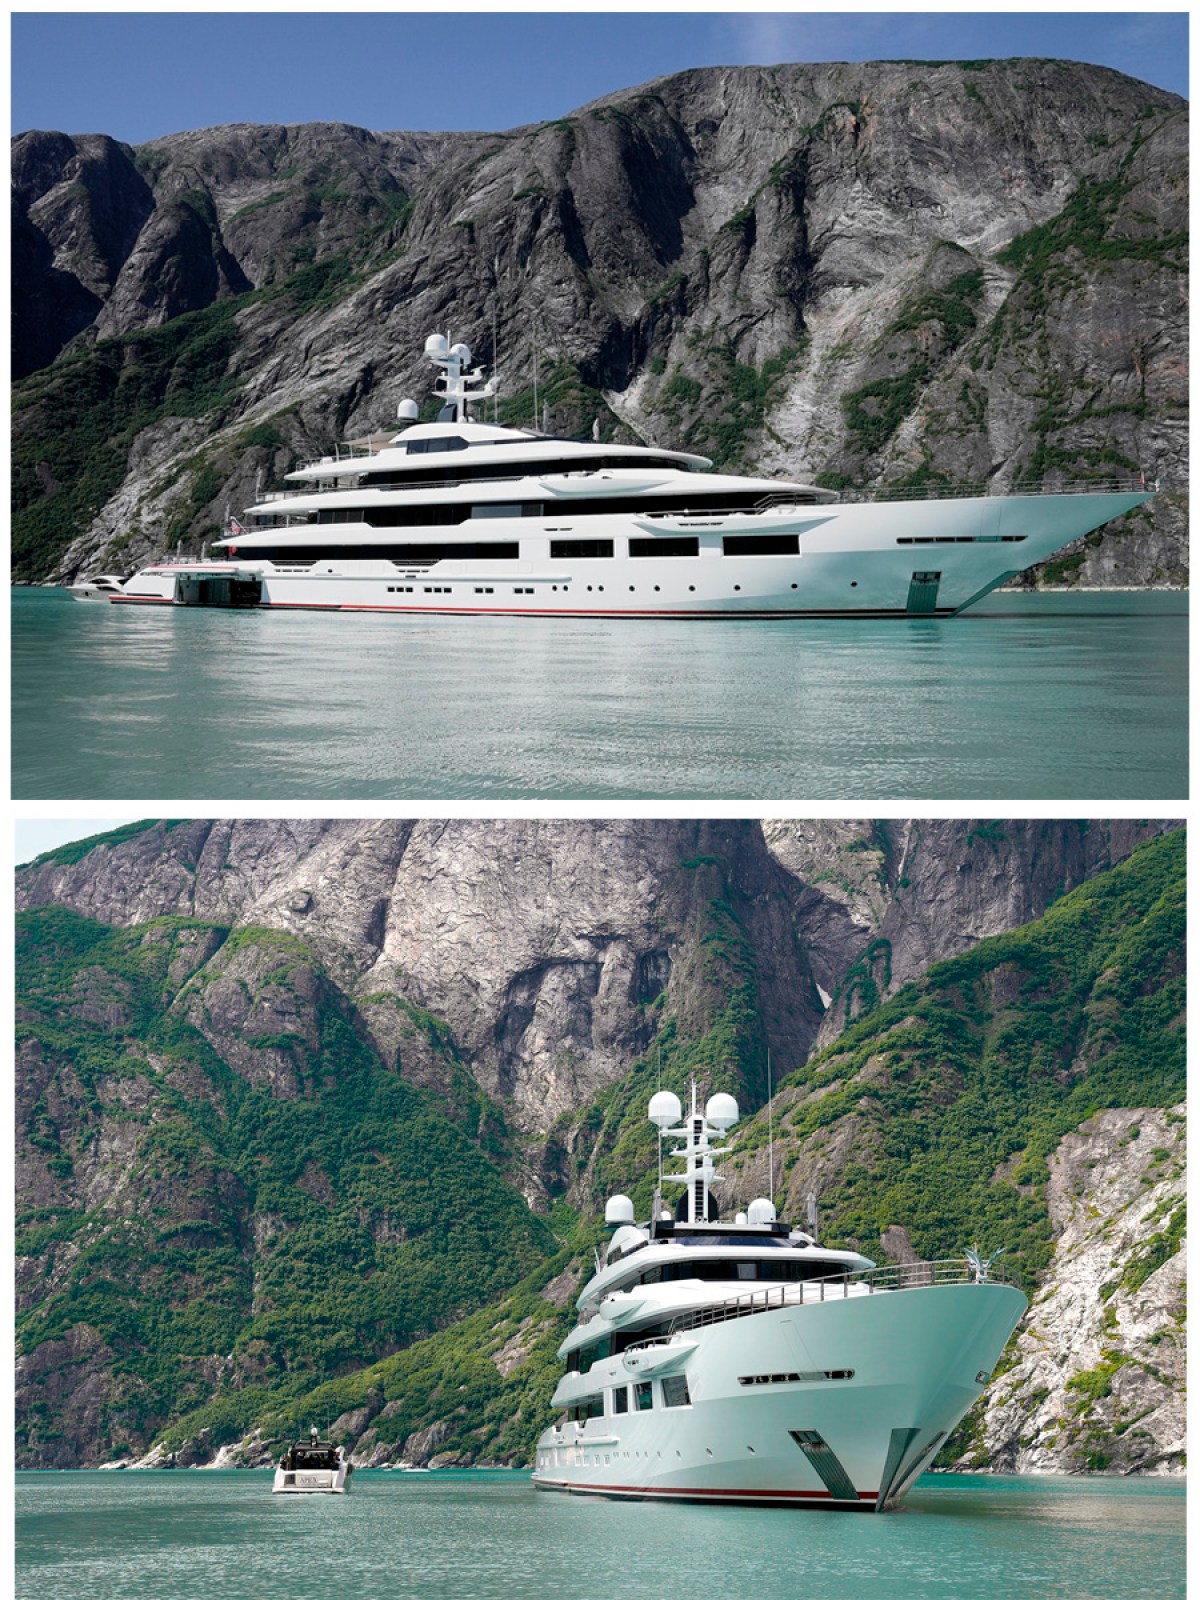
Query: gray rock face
x,y
881,272
887,899
542,943
1098,1380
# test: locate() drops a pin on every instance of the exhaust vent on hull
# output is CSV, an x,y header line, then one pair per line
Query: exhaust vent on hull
x,y
825,1464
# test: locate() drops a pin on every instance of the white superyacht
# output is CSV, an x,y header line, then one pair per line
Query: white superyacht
x,y
743,1362
467,517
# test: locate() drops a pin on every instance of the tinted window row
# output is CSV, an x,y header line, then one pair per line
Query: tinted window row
x,y
635,1397
773,1271
498,471
659,548
404,555
416,516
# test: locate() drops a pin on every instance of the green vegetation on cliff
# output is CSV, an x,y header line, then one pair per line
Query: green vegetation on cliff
x,y
280,1237
961,1086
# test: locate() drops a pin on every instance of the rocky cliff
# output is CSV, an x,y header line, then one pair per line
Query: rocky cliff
x,y
319,1114
884,273
543,945
1097,1377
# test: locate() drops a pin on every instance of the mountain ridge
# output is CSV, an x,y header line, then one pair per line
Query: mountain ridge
x,y
874,273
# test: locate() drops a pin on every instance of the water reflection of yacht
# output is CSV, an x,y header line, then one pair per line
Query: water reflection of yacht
x,y
468,517
742,1361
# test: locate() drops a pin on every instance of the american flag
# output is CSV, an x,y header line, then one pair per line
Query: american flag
x,y
235,526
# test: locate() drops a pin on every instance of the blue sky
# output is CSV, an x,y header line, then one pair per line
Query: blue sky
x,y
32,835
139,75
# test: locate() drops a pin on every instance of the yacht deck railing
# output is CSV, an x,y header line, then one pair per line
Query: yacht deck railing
x,y
814,1291
856,496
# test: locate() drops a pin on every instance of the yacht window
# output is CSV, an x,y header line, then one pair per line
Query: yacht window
x,y
579,549
495,509
675,1392
404,555
794,1377
433,447
644,1393
664,547
620,1400
761,544
591,1405
770,1271
497,470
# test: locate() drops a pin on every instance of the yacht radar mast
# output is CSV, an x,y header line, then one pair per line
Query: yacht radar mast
x,y
456,384
694,1143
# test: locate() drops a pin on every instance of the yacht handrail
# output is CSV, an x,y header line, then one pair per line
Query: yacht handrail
x,y
843,1286
989,490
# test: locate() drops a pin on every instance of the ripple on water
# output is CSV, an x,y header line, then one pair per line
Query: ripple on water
x,y
1033,697
490,1536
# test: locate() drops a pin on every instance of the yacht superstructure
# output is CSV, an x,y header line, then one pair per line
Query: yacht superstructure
x,y
469,517
744,1362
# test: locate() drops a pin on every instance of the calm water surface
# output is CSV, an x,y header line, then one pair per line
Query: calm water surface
x,y
490,1536
1029,696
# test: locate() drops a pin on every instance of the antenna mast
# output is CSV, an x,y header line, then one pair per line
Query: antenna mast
x,y
695,1147
495,334
459,386
770,1135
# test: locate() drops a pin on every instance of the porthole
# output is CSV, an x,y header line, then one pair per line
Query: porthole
x,y
854,583
795,586
737,588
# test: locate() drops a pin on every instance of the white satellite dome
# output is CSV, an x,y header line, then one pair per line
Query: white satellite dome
x,y
408,411
437,344
664,1109
463,352
721,1111
618,1210
760,1211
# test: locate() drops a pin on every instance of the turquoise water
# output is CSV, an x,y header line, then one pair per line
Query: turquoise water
x,y
490,1536
1027,697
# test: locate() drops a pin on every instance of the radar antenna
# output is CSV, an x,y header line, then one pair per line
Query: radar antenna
x,y
692,1135
770,1136
458,383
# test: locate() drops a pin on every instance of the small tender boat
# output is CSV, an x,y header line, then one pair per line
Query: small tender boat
x,y
313,1467
102,587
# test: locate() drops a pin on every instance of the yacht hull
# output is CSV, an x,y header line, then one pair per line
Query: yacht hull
x,y
883,559
908,1365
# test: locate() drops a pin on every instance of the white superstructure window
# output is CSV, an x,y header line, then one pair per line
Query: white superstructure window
x,y
675,1392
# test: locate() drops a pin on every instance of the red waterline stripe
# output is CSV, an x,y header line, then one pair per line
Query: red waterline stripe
x,y
512,611
725,1494
550,611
